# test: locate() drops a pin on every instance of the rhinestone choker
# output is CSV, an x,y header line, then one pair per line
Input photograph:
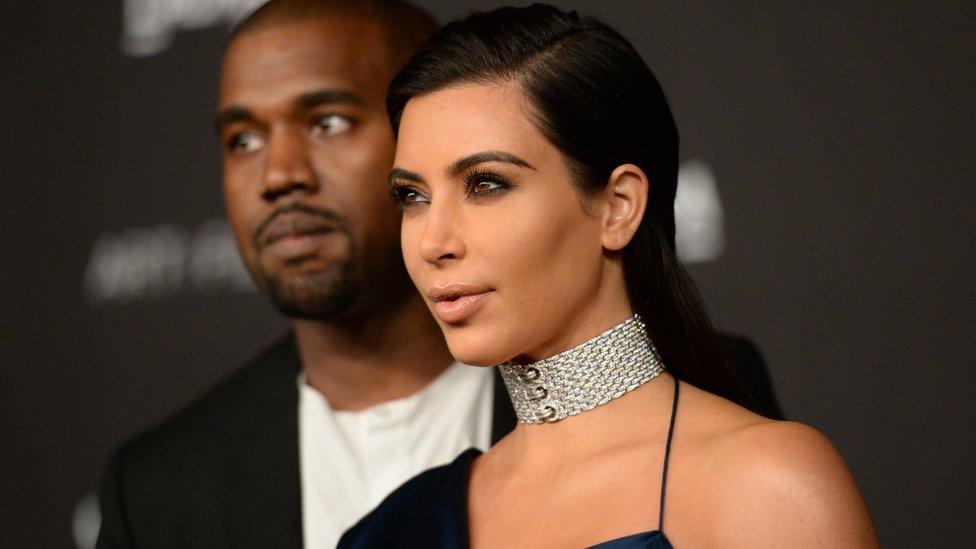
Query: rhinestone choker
x,y
579,379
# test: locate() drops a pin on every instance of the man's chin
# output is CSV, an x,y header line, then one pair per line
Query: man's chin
x,y
319,296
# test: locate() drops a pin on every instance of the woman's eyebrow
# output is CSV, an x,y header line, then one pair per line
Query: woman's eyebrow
x,y
468,162
400,173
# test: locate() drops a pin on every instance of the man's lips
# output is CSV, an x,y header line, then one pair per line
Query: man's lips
x,y
455,303
294,225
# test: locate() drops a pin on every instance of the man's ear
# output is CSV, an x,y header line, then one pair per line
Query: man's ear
x,y
625,200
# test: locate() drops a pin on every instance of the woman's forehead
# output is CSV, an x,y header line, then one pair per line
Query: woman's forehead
x,y
467,118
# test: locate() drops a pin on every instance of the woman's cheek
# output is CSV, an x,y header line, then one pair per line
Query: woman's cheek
x,y
409,246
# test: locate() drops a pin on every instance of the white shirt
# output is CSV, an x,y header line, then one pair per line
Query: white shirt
x,y
350,461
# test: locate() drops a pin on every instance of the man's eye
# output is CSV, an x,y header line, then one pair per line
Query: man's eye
x,y
332,124
243,143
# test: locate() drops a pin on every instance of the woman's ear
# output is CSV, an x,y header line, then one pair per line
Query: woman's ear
x,y
625,201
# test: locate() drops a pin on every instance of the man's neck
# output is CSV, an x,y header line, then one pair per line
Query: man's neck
x,y
358,364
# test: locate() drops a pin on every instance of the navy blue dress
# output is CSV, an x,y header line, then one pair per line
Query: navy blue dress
x,y
431,510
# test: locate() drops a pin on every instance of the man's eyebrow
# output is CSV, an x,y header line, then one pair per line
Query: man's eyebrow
x,y
400,173
313,99
230,115
463,164
305,101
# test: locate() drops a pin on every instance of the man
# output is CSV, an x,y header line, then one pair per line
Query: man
x,y
365,393
309,436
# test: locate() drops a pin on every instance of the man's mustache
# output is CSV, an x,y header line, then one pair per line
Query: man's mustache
x,y
324,216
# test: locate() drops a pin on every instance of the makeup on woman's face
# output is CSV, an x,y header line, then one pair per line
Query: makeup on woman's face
x,y
494,234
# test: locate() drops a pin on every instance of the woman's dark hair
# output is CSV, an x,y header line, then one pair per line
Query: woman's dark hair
x,y
599,104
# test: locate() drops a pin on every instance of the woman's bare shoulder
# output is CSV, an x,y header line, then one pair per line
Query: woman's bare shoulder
x,y
775,482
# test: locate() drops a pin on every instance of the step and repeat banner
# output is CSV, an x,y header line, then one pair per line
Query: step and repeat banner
x,y
825,208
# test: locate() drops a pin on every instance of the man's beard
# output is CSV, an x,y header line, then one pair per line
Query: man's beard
x,y
321,295
315,295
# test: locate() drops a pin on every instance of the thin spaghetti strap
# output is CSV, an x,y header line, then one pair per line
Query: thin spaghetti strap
x,y
667,454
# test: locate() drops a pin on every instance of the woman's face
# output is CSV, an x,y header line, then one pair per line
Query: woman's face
x,y
494,234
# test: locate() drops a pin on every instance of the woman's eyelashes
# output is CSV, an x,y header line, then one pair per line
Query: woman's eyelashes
x,y
406,196
478,185
481,183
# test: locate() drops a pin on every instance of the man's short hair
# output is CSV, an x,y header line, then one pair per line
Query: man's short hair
x,y
406,26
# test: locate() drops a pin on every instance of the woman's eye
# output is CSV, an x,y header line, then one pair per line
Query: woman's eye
x,y
407,196
484,184
332,124
245,142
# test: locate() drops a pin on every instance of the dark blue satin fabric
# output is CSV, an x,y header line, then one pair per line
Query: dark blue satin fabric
x,y
431,510
645,540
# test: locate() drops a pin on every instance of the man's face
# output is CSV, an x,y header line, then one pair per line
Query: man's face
x,y
306,148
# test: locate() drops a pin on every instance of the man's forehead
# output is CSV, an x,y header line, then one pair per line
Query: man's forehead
x,y
283,61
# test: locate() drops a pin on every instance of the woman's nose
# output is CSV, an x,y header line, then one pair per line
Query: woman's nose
x,y
441,241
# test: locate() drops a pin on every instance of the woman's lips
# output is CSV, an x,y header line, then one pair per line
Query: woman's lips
x,y
458,308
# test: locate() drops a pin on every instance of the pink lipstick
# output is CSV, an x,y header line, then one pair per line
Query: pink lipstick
x,y
456,303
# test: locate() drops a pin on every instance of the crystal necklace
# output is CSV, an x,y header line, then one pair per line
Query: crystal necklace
x,y
579,379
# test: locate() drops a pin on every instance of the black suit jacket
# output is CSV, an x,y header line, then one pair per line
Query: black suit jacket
x,y
224,472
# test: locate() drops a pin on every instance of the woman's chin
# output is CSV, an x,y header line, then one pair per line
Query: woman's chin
x,y
475,355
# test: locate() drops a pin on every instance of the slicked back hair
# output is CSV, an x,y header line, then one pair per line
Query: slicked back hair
x,y
600,105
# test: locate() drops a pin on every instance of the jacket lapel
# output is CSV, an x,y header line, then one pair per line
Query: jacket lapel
x,y
261,485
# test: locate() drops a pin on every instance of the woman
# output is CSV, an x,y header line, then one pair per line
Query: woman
x,y
536,169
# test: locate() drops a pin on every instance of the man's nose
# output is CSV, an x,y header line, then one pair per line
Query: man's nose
x,y
441,241
288,168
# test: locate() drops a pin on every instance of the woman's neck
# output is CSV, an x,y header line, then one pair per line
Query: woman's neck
x,y
606,307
